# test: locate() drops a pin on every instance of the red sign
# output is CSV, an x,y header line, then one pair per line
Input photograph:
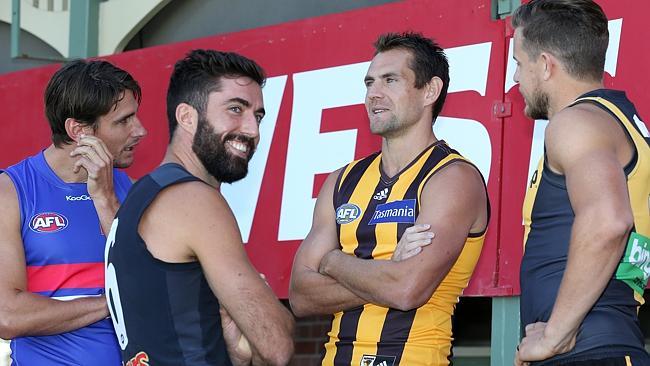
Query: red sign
x,y
316,121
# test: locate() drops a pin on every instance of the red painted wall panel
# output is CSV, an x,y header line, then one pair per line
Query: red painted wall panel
x,y
314,60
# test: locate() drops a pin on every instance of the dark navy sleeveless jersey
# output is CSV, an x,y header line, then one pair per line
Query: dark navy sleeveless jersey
x,y
163,313
64,257
611,328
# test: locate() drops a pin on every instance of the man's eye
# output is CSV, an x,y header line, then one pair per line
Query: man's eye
x,y
236,109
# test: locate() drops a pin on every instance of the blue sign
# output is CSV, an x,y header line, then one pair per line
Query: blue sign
x,y
396,211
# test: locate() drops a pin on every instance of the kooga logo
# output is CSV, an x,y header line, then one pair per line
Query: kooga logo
x,y
83,197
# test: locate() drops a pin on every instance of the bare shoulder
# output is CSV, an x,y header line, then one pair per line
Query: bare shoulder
x,y
323,219
191,200
12,258
329,186
195,206
185,216
6,185
8,196
322,235
457,193
458,176
583,122
579,131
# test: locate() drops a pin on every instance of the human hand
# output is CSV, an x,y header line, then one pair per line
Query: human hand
x,y
94,157
238,346
537,345
412,241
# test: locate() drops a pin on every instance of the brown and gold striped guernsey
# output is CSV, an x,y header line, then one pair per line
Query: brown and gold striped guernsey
x,y
372,213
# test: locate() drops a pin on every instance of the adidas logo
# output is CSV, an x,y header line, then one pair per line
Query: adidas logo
x,y
381,195
383,364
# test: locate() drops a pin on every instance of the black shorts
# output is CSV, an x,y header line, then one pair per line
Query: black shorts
x,y
610,361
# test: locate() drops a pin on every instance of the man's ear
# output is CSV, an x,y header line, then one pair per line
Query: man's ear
x,y
75,129
187,118
433,90
549,65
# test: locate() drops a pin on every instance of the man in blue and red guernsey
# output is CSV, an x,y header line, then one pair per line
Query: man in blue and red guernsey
x,y
56,207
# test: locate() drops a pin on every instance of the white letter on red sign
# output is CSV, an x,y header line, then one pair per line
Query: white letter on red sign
x,y
242,196
468,71
311,152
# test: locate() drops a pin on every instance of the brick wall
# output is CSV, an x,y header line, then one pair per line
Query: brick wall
x,y
310,336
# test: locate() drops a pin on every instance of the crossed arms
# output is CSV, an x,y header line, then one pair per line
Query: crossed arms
x,y
324,280
251,314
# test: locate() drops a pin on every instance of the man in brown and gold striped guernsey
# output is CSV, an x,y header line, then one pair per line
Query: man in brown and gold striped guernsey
x,y
371,257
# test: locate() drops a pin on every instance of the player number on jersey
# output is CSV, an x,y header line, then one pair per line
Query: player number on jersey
x,y
113,292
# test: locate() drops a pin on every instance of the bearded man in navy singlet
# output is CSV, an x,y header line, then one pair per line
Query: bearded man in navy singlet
x,y
180,286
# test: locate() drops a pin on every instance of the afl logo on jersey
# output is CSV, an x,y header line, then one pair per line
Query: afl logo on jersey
x,y
347,213
48,222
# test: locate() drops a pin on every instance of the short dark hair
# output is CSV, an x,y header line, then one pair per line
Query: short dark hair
x,y
575,31
199,73
428,60
85,90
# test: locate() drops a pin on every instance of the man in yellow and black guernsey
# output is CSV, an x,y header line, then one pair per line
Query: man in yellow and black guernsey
x,y
371,257
587,210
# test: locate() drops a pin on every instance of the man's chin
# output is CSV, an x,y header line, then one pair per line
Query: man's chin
x,y
377,128
122,164
533,114
232,177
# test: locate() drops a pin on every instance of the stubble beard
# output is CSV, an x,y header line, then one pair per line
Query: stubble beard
x,y
537,106
385,128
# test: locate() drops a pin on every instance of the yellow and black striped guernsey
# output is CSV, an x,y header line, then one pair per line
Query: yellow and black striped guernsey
x,y
372,212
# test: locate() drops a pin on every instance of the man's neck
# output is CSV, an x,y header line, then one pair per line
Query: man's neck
x,y
399,151
60,161
566,93
180,152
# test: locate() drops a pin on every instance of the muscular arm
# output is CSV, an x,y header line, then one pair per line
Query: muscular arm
x,y
590,150
211,235
310,292
453,203
23,313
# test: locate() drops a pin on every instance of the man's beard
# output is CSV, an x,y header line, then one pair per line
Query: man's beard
x,y
537,106
211,150
386,127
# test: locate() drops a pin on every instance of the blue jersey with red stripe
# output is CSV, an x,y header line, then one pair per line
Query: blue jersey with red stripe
x,y
64,254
